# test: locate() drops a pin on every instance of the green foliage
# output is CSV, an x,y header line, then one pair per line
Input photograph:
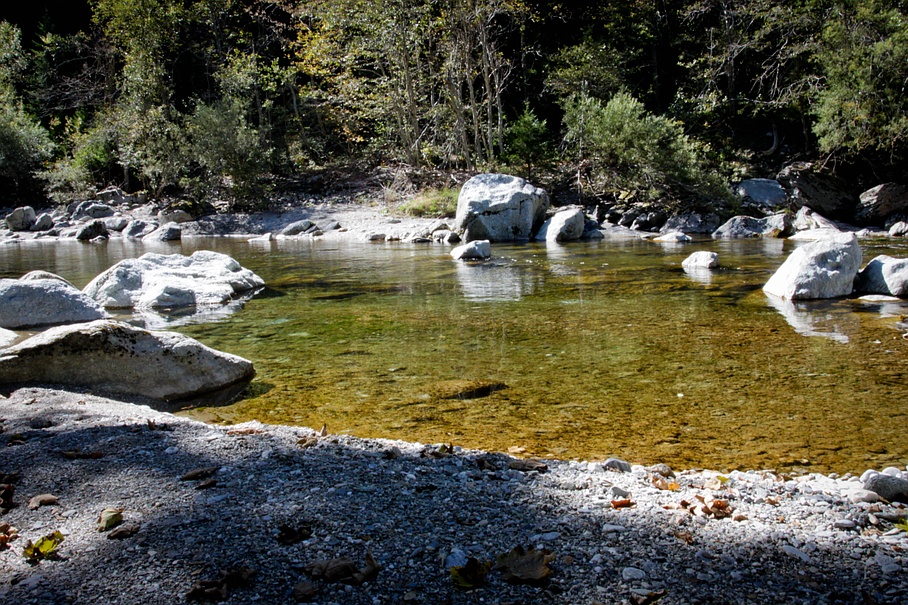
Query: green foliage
x,y
528,141
440,203
865,57
90,161
591,66
625,148
228,149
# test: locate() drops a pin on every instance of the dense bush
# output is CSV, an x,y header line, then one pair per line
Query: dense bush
x,y
623,149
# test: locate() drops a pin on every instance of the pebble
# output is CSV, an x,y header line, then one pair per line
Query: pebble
x,y
796,553
632,573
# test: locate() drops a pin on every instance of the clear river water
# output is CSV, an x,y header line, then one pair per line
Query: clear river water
x,y
586,351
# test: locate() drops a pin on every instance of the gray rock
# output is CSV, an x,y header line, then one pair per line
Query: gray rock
x,y
796,553
863,496
499,207
92,209
648,221
171,232
158,280
112,195
43,222
38,274
691,222
884,275
116,223
806,219
632,573
91,230
893,489
298,227
776,225
765,195
701,260
616,464
564,226
118,358
879,203
818,191
674,237
139,229
475,250
821,269
174,215
40,302
21,219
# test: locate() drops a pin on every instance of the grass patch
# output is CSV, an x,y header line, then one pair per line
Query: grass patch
x,y
435,203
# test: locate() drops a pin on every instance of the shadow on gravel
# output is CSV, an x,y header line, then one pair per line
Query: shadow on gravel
x,y
410,507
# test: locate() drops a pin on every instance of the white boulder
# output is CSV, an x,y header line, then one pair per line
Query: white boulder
x,y
160,280
563,226
499,207
675,237
821,269
701,260
475,250
884,275
21,219
116,357
46,301
7,337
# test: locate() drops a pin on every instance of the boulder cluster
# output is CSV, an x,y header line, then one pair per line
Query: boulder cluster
x,y
86,348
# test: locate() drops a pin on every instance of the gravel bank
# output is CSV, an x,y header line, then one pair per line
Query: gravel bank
x,y
741,538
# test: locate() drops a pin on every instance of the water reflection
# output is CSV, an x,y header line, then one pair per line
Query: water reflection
x,y
162,319
492,281
700,275
817,318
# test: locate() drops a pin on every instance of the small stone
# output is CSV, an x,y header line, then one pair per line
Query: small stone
x,y
844,524
632,573
796,553
41,500
862,495
892,471
618,465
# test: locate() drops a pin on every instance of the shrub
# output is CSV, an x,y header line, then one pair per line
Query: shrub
x,y
440,203
528,142
627,149
24,147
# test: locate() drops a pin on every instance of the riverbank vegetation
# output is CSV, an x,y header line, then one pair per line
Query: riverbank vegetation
x,y
654,101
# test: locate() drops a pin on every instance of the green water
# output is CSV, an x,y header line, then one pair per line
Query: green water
x,y
585,351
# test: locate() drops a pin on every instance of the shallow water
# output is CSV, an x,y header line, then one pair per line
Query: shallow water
x,y
582,351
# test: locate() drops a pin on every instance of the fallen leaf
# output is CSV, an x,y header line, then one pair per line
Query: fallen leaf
x,y
154,426
307,443
124,531
199,473
41,500
471,575
627,503
287,534
685,536
304,592
521,565
740,518
648,598
80,455
44,547
8,533
217,589
110,518
6,496
207,484
772,501
324,431
248,431
527,464
661,483
343,569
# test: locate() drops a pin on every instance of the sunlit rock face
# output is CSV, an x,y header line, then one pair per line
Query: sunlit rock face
x,y
499,207
821,269
114,357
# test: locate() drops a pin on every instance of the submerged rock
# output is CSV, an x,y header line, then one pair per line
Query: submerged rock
x,y
821,269
115,357
44,301
159,280
499,207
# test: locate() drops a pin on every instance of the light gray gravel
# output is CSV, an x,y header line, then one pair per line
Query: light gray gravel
x,y
739,538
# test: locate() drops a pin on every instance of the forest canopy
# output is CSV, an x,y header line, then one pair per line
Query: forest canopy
x,y
226,99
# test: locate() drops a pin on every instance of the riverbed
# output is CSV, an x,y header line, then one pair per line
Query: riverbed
x,y
588,350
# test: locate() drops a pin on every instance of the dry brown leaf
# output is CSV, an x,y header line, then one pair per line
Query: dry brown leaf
x,y
343,569
626,503
685,536
664,484
304,592
124,531
244,431
521,565
199,473
41,500
527,464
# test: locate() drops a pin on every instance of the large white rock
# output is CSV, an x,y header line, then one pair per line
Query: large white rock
x,y
7,336
884,275
499,207
21,219
47,301
160,280
765,194
821,269
564,226
115,357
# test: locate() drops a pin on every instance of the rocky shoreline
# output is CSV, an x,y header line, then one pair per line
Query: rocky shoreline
x,y
257,513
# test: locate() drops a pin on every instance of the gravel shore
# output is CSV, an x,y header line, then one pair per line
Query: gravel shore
x,y
267,507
